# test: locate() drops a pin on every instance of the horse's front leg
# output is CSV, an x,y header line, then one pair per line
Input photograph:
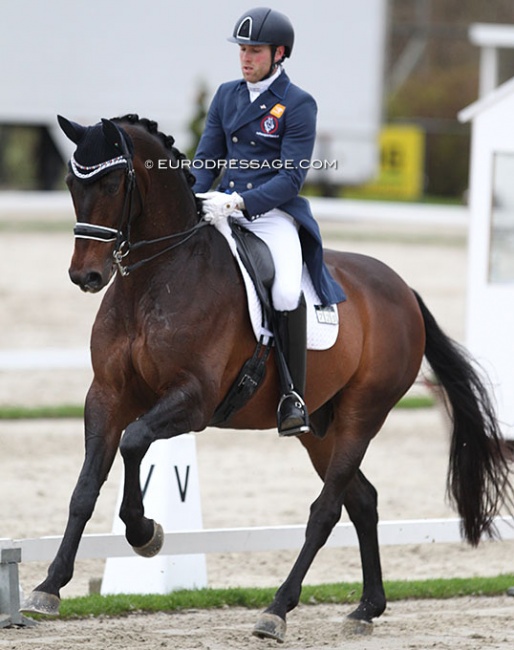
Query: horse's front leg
x,y
102,434
178,412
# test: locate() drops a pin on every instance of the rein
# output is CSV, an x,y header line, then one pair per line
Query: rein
x,y
123,245
119,254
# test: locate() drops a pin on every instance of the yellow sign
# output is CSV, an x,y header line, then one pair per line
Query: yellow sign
x,y
402,152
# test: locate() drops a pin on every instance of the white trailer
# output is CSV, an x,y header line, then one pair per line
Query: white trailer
x,y
90,59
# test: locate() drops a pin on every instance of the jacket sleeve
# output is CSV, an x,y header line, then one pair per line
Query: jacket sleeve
x,y
295,156
211,149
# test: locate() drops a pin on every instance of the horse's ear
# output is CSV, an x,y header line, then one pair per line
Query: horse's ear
x,y
112,133
73,130
117,138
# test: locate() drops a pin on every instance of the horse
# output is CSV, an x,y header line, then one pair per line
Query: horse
x,y
173,332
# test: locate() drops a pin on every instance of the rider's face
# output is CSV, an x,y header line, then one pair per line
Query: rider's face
x,y
256,60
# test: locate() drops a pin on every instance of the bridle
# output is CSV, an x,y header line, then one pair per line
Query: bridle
x,y
121,235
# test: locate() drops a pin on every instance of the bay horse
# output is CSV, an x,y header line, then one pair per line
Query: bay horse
x,y
173,332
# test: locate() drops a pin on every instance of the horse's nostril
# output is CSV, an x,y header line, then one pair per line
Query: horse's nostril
x,y
90,281
93,279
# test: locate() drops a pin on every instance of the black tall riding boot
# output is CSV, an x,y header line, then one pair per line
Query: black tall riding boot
x,y
292,417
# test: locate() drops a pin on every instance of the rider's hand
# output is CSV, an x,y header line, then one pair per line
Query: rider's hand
x,y
218,206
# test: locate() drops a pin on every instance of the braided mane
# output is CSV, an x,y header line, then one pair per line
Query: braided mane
x,y
167,140
169,143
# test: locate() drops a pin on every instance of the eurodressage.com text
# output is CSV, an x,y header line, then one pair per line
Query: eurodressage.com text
x,y
221,165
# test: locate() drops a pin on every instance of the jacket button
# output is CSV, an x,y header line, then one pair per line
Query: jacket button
x,y
252,143
231,184
249,186
235,138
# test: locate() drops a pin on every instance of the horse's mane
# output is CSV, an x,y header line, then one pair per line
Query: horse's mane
x,y
169,143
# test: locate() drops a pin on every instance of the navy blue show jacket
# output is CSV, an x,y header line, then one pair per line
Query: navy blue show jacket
x,y
263,150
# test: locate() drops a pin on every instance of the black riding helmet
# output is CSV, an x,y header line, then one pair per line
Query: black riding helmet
x,y
264,26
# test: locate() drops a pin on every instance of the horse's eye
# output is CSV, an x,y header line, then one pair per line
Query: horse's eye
x,y
110,185
112,188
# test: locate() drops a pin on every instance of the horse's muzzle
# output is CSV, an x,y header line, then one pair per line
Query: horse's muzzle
x,y
89,281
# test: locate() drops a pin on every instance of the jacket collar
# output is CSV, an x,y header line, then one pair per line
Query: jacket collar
x,y
248,111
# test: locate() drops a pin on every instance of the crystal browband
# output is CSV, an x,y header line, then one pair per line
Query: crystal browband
x,y
85,171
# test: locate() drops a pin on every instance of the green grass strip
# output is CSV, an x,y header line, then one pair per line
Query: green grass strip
x,y
75,411
258,598
41,412
416,402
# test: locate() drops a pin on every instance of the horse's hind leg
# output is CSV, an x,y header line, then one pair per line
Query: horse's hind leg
x,y
325,513
360,502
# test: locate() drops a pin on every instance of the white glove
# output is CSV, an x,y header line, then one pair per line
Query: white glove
x,y
218,206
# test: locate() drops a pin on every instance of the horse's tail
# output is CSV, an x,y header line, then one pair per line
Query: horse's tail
x,y
478,476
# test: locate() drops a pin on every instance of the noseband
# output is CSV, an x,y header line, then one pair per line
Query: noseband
x,y
123,245
84,230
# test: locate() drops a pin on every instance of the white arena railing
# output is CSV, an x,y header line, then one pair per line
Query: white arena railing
x,y
244,540
229,540
57,206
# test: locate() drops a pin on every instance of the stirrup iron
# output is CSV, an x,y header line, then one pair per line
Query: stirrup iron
x,y
292,417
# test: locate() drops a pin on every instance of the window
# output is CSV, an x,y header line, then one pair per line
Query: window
x,y
501,247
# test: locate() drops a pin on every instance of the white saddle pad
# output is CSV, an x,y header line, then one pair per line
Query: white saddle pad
x,y
322,322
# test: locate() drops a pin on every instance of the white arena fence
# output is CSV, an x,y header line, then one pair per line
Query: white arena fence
x,y
57,207
231,540
251,540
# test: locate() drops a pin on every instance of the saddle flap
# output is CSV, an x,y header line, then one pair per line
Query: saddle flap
x,y
322,322
257,260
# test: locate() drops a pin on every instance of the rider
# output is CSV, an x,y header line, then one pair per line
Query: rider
x,y
260,130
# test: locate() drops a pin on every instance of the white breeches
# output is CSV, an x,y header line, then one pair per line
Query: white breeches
x,y
280,232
